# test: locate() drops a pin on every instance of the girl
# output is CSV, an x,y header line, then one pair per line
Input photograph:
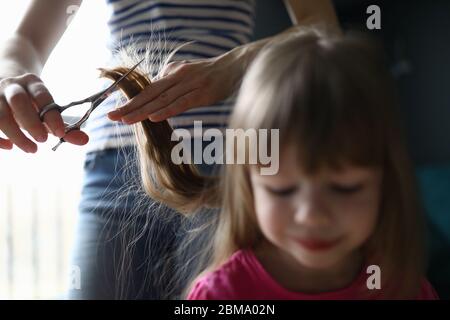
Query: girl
x,y
112,268
343,202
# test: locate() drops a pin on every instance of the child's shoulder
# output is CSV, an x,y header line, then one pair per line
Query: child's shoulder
x,y
229,281
427,291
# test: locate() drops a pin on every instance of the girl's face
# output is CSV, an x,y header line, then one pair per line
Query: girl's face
x,y
318,220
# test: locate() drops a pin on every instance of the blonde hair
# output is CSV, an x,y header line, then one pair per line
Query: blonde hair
x,y
333,100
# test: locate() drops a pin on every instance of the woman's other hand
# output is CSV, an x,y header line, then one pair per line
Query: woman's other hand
x,y
183,85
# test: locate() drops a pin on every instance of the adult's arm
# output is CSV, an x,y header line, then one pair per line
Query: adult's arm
x,y
203,82
22,92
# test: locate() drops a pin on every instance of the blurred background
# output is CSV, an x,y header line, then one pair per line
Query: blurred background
x,y
39,192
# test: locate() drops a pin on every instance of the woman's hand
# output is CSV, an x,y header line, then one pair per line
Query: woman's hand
x,y
184,85
21,99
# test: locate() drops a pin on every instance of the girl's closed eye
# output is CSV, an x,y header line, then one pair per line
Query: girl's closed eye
x,y
347,189
282,192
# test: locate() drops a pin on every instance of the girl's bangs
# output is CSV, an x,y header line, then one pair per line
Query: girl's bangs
x,y
329,118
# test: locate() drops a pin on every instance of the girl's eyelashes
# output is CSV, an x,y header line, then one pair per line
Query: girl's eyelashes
x,y
349,189
283,192
339,188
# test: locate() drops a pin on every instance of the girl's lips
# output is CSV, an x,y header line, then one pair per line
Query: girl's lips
x,y
316,245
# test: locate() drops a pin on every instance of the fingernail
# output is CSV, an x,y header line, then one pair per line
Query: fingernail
x,y
60,133
30,149
112,116
155,115
8,146
41,138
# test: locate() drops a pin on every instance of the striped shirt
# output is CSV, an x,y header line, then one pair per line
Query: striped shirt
x,y
216,27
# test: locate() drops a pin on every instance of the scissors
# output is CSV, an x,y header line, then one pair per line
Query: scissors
x,y
95,100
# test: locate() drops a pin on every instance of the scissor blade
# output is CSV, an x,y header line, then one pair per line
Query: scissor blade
x,y
113,86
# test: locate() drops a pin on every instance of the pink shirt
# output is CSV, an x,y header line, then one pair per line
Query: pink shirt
x,y
243,277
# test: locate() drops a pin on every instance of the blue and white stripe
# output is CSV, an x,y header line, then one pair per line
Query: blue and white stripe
x,y
216,26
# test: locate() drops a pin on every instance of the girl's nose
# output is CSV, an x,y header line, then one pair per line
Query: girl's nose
x,y
312,210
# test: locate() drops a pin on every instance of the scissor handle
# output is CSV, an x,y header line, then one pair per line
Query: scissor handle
x,y
60,109
49,107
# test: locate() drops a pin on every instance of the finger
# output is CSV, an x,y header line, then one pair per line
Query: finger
x,y
42,97
181,104
148,94
10,128
24,112
76,137
6,144
162,101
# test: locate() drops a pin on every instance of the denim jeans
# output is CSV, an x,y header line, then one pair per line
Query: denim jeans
x,y
125,241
